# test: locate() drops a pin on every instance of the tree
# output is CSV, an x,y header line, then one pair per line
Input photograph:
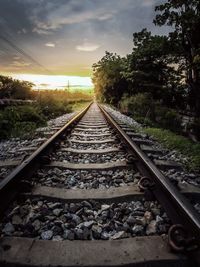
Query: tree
x,y
10,88
107,78
148,68
184,16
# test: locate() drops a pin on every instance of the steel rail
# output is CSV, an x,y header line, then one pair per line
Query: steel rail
x,y
10,186
177,206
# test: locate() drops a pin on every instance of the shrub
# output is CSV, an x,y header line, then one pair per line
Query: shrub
x,y
195,126
16,121
31,114
180,143
168,118
50,106
141,105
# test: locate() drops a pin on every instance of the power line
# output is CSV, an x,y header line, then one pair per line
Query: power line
x,y
22,52
8,39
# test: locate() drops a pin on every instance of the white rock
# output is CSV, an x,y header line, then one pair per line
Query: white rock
x,y
47,235
151,228
105,207
8,229
119,235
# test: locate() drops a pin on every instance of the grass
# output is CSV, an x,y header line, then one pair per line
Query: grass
x,y
22,121
179,143
78,106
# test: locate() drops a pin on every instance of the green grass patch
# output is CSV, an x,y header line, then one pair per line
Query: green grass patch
x,y
78,106
18,121
21,121
179,143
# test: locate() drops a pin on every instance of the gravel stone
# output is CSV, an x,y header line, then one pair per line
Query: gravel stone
x,y
151,228
36,224
57,238
68,235
8,229
138,229
86,179
105,207
119,235
16,219
47,235
175,175
57,212
83,220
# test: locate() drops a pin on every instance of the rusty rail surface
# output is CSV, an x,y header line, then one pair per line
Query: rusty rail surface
x,y
184,235
11,185
185,218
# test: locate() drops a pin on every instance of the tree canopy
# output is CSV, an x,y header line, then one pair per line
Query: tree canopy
x,y
11,88
184,16
166,67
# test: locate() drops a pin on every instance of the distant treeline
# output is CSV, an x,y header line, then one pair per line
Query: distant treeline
x,y
161,71
14,89
42,105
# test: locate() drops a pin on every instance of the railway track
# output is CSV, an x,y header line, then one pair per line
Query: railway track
x,y
89,196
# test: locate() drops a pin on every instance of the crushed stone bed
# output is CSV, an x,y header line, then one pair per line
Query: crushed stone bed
x,y
89,146
89,138
86,220
4,172
86,179
11,148
88,158
168,155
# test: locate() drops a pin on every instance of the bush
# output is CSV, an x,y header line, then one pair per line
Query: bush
x,y
51,107
195,126
31,114
15,89
21,120
16,121
168,118
180,143
141,105
148,112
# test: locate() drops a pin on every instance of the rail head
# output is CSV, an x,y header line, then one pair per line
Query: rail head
x,y
8,187
171,199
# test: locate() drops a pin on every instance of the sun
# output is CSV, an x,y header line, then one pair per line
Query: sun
x,y
54,81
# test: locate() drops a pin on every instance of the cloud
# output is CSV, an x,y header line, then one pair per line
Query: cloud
x,y
148,3
87,47
2,53
50,45
71,12
16,58
83,29
19,64
57,20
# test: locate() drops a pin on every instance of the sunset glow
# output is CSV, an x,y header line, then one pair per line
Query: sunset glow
x,y
55,82
61,47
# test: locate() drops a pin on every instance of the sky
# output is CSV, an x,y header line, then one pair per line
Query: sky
x,y
63,38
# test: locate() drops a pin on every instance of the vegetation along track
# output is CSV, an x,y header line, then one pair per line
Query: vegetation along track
x,y
92,189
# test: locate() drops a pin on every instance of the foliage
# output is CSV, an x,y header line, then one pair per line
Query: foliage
x,y
51,106
23,120
15,121
145,110
138,105
179,143
165,67
184,17
107,78
167,118
148,68
10,88
195,126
